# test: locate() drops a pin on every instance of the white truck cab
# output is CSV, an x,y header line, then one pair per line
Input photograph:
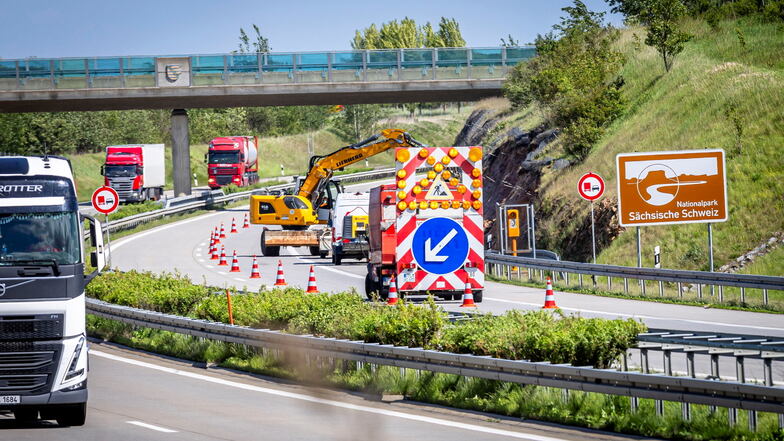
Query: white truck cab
x,y
350,226
43,346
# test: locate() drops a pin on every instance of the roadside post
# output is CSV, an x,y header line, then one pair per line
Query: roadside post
x,y
105,200
513,228
591,187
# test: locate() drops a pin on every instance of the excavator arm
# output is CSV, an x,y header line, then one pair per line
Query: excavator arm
x,y
323,167
298,211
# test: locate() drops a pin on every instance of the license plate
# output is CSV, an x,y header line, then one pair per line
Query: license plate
x,y
10,399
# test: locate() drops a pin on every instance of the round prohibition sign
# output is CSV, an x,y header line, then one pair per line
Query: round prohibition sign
x,y
590,186
105,200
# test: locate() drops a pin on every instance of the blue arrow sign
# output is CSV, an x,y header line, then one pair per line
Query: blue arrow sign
x,y
440,245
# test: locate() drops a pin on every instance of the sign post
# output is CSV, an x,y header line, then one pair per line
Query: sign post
x,y
105,200
665,188
591,187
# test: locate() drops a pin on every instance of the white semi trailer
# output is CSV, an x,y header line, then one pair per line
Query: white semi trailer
x,y
43,346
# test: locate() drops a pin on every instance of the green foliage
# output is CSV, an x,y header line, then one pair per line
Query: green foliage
x,y
126,210
260,44
516,335
356,122
406,34
574,78
664,33
509,42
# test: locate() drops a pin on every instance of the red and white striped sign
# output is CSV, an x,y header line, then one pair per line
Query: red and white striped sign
x,y
439,182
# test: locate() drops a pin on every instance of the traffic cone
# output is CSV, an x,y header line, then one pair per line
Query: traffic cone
x,y
392,296
280,280
222,261
214,251
549,297
468,296
235,265
233,226
246,224
312,282
254,271
222,231
217,236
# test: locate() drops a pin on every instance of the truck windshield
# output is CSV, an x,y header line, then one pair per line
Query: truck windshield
x,y
117,171
28,237
224,157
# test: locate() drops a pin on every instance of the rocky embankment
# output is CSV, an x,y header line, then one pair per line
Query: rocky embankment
x,y
513,165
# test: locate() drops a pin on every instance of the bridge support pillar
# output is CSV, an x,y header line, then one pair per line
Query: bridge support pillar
x,y
181,158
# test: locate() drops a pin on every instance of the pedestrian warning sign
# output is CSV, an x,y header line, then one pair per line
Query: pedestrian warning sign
x,y
439,191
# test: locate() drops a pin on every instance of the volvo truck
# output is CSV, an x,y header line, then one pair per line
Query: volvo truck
x,y
232,160
136,172
43,346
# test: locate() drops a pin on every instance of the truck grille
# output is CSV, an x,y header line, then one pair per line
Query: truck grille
x,y
30,327
223,180
123,186
28,368
226,171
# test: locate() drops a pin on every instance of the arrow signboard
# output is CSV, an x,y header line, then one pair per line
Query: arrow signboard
x,y
440,245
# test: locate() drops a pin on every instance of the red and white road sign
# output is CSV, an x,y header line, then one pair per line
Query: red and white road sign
x,y
591,186
105,200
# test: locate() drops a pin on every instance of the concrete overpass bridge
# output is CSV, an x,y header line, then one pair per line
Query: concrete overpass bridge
x,y
268,79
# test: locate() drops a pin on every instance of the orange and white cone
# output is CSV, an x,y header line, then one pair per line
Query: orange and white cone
x,y
235,265
222,231
222,261
312,288
233,226
279,279
214,251
246,224
468,296
217,236
254,271
549,296
392,296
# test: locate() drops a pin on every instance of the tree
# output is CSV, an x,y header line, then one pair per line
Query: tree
x,y
260,44
664,33
406,34
356,122
574,78
511,42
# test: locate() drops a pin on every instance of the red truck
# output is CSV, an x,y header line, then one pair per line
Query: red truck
x,y
426,230
136,171
232,160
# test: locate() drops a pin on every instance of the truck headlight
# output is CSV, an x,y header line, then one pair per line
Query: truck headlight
x,y
72,371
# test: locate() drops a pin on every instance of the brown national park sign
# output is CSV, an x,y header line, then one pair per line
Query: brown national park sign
x,y
660,188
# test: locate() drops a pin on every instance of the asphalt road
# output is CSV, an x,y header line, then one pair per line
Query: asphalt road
x,y
183,248
136,396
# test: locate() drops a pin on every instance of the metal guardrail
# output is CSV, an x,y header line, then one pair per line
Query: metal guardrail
x,y
206,199
607,381
501,265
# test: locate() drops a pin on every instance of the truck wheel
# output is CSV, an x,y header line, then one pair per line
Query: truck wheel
x,y
268,251
72,415
478,296
370,287
26,415
314,250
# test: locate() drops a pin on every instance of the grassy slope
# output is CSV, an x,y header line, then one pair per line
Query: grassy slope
x,y
685,109
291,151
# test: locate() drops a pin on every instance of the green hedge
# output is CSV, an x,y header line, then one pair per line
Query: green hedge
x,y
533,335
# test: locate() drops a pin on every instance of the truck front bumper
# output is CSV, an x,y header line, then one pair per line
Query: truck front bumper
x,y
51,398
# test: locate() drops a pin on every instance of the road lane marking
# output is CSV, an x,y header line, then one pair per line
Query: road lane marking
x,y
333,403
328,268
151,427
238,279
641,316
114,246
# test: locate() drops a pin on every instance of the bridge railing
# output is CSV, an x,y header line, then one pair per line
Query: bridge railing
x,y
264,68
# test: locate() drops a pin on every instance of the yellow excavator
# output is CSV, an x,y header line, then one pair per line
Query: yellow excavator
x,y
300,214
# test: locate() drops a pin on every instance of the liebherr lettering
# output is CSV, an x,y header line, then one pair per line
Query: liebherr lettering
x,y
347,160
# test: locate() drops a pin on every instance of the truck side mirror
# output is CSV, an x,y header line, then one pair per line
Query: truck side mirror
x,y
205,158
103,170
98,256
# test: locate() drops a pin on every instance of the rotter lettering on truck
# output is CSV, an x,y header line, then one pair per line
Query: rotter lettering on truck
x,y
43,346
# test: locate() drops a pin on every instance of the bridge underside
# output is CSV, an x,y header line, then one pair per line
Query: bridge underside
x,y
247,95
